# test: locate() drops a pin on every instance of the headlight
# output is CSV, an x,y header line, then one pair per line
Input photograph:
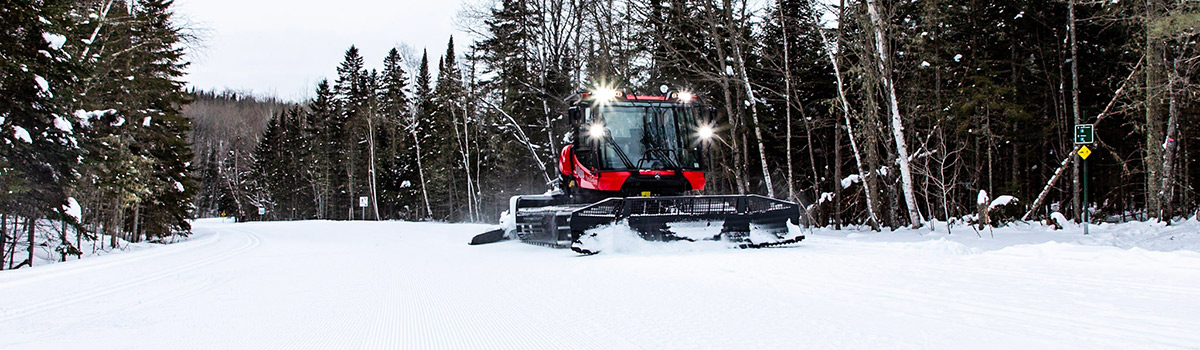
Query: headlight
x,y
705,132
596,130
605,94
686,97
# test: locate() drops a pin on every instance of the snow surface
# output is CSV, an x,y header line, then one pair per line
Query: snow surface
x,y
323,285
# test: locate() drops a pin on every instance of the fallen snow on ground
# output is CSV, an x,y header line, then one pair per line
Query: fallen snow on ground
x,y
324,285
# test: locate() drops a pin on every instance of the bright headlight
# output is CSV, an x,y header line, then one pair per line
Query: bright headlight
x,y
605,94
686,97
596,130
705,132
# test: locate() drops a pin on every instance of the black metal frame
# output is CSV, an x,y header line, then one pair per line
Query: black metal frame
x,y
557,224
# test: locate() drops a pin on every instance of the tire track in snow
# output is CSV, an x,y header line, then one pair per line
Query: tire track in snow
x,y
18,312
117,260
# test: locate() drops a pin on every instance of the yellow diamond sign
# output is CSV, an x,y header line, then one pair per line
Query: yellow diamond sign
x,y
1084,152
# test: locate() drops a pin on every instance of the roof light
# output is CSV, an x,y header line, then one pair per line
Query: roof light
x,y
605,94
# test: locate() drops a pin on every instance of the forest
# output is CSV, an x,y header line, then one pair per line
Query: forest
x,y
876,113
879,113
95,150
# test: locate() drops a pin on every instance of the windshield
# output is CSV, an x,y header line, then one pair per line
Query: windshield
x,y
648,137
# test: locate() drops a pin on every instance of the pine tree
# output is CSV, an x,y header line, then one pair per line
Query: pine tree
x,y
398,174
350,100
164,130
506,53
268,170
37,150
324,127
444,163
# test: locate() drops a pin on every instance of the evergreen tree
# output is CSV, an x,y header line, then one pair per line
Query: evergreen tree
x,y
350,100
37,149
398,178
163,136
268,170
507,56
444,160
323,159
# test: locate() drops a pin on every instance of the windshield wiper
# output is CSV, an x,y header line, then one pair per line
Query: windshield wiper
x,y
655,145
620,153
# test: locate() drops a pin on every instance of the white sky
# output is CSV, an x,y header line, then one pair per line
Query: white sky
x,y
284,47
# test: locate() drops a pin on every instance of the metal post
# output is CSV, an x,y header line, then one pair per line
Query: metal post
x,y
1085,200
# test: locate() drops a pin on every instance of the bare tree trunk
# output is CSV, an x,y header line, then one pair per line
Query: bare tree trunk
x,y
836,215
421,173
62,239
31,232
1076,203
96,32
464,149
78,243
371,146
739,62
910,198
739,167
137,218
350,183
1166,193
1154,56
787,93
3,238
116,221
872,218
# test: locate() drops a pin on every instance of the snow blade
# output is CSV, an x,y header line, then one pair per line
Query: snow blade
x,y
492,236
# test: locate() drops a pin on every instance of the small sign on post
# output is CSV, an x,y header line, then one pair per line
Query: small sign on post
x,y
262,211
362,202
1085,134
1084,152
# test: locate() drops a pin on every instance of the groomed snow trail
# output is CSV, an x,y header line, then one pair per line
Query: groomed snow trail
x,y
363,285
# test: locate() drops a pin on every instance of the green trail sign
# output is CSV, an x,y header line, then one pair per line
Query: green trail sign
x,y
1085,134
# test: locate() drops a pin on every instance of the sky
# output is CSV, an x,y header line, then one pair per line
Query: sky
x,y
283,48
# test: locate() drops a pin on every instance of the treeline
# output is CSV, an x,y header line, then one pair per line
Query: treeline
x,y
884,113
94,148
226,127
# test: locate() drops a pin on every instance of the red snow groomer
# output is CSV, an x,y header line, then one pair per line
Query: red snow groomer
x,y
641,161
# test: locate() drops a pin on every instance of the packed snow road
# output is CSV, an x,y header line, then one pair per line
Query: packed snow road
x,y
326,285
